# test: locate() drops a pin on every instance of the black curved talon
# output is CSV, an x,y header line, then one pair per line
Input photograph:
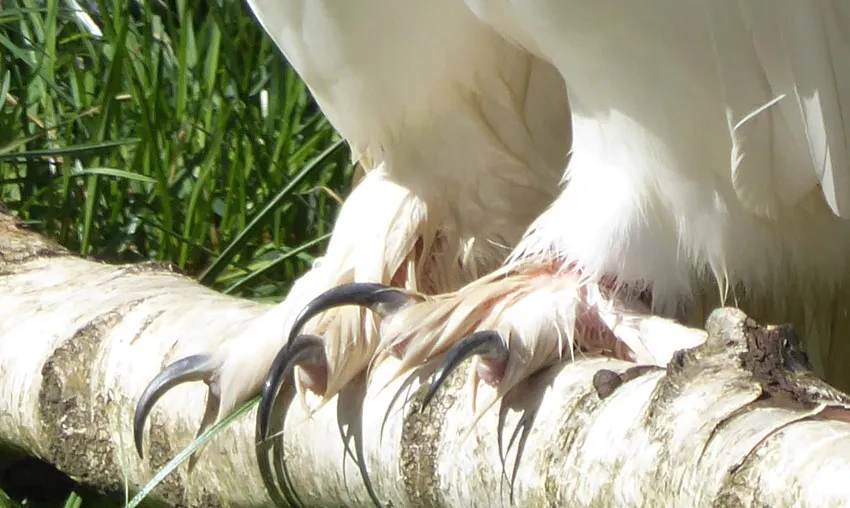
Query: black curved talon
x,y
487,344
378,298
302,349
191,368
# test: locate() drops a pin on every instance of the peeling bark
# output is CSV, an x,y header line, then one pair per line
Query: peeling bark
x,y
738,421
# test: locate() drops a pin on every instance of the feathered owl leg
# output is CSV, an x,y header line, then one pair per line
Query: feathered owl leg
x,y
384,234
534,317
515,321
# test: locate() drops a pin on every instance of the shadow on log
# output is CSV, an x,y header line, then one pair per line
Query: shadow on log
x,y
738,421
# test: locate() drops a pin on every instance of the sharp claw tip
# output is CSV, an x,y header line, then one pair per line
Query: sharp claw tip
x,y
137,437
427,400
139,427
477,343
190,368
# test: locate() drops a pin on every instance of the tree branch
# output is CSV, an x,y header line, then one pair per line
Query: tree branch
x,y
738,421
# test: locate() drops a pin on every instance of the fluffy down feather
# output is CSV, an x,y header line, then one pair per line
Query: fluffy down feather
x,y
710,155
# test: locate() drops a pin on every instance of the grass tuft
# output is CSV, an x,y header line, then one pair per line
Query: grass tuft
x,y
169,131
178,135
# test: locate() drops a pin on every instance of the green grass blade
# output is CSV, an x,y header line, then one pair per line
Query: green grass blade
x,y
85,149
118,173
271,264
196,445
209,275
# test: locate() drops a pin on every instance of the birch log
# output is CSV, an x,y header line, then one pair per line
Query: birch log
x,y
738,421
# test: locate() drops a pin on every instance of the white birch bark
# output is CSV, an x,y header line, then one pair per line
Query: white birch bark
x,y
735,422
